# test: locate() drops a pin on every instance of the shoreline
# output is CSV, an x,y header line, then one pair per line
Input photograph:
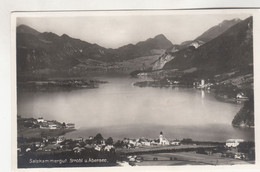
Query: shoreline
x,y
218,96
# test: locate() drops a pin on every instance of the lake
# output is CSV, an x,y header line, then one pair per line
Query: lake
x,y
119,109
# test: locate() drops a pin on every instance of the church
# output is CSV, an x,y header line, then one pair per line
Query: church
x,y
163,140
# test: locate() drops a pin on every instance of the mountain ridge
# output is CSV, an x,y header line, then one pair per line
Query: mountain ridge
x,y
37,50
232,49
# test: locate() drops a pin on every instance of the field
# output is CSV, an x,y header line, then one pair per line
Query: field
x,y
186,158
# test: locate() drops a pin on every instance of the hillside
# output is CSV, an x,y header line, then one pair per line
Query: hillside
x,y
47,53
211,33
179,50
245,117
232,50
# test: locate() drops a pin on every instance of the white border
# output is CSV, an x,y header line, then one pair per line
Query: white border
x,y
256,29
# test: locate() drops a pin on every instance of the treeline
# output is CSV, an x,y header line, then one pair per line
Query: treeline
x,y
245,117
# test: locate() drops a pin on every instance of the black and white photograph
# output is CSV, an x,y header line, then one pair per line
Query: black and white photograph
x,y
134,88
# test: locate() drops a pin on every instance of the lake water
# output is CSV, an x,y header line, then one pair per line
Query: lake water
x,y
119,109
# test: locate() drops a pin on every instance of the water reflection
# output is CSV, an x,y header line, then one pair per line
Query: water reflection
x,y
202,94
120,103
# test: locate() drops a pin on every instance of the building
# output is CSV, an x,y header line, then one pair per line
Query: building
x,y
60,139
146,143
163,140
241,96
53,126
40,120
233,142
175,142
108,148
202,83
70,125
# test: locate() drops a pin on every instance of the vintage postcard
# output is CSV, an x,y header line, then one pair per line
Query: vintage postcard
x,y
134,88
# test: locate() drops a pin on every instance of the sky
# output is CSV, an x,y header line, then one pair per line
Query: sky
x,y
113,31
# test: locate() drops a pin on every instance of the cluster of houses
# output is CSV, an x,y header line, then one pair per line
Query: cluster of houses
x,y
162,141
62,144
43,124
233,142
203,85
53,124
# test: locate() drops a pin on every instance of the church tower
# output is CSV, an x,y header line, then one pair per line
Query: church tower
x,y
161,138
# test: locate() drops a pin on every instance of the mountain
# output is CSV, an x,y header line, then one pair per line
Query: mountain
x,y
27,30
48,51
184,48
152,46
211,33
217,30
232,50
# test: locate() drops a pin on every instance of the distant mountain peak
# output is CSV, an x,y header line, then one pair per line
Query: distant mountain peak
x,y
26,29
65,36
160,36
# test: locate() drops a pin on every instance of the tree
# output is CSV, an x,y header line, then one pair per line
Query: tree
x,y
186,141
109,141
245,147
119,144
98,138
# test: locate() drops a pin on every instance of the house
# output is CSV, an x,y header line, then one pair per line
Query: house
x,y
53,126
44,125
239,156
241,96
40,120
175,142
138,144
103,142
163,140
60,139
70,125
233,142
37,144
28,150
154,143
146,143
77,149
132,142
108,148
98,148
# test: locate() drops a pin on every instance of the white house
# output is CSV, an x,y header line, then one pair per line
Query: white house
x,y
175,142
40,120
52,126
60,139
98,148
163,140
233,142
70,125
132,142
241,96
108,148
146,143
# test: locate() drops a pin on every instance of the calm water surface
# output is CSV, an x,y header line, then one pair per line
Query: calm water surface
x,y
118,109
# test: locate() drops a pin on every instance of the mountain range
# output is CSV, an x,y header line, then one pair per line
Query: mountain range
x,y
205,37
37,50
232,50
224,47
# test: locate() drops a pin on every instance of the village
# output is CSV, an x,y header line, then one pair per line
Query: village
x,y
128,150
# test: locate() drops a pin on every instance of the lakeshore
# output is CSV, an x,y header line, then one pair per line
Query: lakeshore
x,y
52,149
